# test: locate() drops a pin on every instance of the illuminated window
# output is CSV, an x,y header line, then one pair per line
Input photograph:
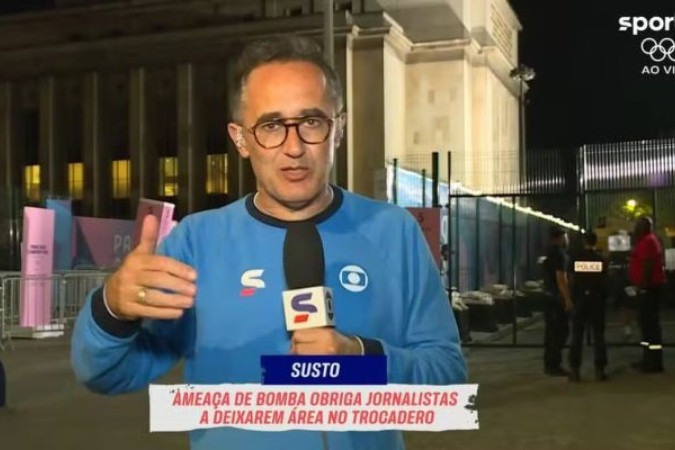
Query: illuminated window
x,y
76,180
121,176
31,182
216,174
168,177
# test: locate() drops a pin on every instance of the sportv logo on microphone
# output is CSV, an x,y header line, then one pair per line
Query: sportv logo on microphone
x,y
308,308
303,305
658,47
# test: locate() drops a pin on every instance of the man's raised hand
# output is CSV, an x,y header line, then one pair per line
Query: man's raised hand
x,y
148,285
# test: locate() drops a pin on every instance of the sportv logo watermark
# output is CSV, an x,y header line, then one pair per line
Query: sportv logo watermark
x,y
658,49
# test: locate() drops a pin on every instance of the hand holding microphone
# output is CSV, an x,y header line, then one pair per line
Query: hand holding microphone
x,y
323,341
308,304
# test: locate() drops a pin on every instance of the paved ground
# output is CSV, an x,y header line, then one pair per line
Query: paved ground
x,y
519,408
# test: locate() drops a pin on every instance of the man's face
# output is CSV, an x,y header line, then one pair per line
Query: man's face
x,y
296,173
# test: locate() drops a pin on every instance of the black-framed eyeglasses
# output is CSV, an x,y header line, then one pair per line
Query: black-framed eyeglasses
x,y
273,133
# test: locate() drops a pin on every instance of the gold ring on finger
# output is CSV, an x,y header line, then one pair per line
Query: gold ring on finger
x,y
142,296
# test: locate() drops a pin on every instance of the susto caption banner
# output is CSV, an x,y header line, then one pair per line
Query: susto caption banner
x,y
320,408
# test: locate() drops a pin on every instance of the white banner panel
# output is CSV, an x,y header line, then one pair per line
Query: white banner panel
x,y
320,408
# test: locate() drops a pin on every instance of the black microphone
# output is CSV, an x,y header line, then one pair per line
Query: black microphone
x,y
307,302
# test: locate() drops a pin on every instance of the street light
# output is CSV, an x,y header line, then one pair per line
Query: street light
x,y
522,74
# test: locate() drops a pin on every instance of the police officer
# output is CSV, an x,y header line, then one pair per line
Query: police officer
x,y
558,304
589,288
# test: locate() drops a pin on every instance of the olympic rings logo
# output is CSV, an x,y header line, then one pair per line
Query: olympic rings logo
x,y
658,51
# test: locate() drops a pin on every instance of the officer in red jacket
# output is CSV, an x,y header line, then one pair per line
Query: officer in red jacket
x,y
647,274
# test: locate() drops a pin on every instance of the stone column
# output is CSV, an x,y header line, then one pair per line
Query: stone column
x,y
428,103
191,144
143,156
97,161
10,162
365,106
53,158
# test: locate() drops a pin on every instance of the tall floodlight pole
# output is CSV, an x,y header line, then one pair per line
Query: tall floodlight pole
x,y
329,53
522,74
328,35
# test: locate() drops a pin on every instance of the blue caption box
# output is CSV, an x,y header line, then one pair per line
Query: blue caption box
x,y
324,370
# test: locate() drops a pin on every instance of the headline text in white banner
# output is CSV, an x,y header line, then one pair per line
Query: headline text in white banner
x,y
320,408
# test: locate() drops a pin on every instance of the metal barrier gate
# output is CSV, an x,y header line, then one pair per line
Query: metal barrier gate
x,y
61,296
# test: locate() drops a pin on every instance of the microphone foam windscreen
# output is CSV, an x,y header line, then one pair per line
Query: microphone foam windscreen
x,y
303,256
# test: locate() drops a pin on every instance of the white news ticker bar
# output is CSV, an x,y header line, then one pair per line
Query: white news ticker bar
x,y
427,408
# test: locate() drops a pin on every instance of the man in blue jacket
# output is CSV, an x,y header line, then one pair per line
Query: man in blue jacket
x,y
211,294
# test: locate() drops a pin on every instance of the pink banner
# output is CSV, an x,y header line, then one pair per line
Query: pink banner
x,y
37,264
164,213
102,243
429,220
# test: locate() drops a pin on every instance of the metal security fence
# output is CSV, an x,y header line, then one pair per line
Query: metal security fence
x,y
627,165
74,288
30,300
496,240
497,233
45,304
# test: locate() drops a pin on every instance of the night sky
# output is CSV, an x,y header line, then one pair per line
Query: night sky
x,y
589,87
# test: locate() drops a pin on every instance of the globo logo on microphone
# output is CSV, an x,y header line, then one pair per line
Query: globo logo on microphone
x,y
329,304
308,308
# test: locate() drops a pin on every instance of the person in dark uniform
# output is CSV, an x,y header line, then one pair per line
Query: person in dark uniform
x,y
647,274
589,288
559,302
460,312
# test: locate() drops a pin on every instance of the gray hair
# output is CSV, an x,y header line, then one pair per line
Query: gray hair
x,y
283,48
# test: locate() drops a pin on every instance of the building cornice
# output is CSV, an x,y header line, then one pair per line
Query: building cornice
x,y
410,52
111,9
158,48
453,50
364,38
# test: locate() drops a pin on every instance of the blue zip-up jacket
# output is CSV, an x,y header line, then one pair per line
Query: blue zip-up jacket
x,y
386,288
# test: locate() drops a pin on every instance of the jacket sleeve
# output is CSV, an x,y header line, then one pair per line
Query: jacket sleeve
x,y
111,357
431,353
